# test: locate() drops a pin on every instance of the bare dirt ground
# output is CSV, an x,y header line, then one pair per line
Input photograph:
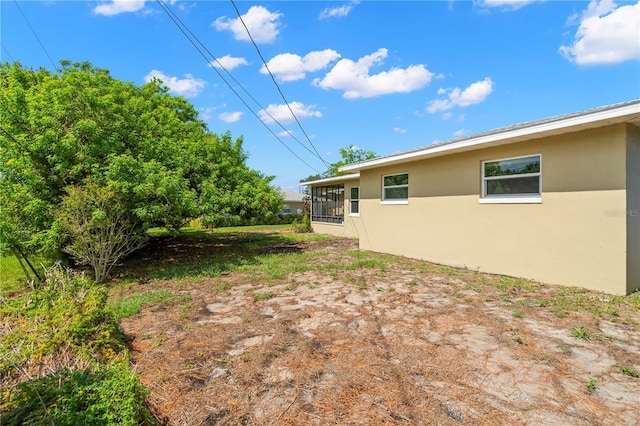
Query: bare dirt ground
x,y
410,343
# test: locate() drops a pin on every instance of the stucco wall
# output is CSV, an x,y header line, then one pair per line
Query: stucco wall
x,y
570,238
633,208
294,206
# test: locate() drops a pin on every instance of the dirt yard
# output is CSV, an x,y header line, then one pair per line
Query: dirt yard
x,y
389,341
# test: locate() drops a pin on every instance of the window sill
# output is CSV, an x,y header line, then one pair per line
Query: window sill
x,y
391,202
510,200
354,214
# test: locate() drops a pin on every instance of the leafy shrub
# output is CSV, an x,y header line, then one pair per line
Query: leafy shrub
x,y
303,226
67,312
100,228
109,395
64,360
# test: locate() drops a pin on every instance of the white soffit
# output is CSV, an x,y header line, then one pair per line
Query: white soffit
x,y
332,179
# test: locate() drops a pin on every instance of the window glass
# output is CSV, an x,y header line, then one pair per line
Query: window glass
x,y
511,177
395,187
516,166
354,203
355,193
393,180
396,193
525,185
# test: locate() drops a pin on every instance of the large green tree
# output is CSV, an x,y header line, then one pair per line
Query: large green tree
x,y
60,130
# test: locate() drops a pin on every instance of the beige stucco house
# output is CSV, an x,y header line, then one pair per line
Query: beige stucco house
x,y
293,203
554,200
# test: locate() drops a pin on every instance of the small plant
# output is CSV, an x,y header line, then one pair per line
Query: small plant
x,y
579,332
519,340
304,226
265,295
591,383
560,313
518,314
629,372
361,286
292,286
412,283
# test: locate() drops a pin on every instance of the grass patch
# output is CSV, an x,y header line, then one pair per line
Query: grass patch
x,y
12,278
265,295
131,305
629,372
580,332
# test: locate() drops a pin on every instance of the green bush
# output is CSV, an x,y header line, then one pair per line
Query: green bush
x,y
63,329
109,395
67,312
303,226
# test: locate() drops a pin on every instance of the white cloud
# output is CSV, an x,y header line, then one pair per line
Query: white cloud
x,y
263,25
475,93
116,7
291,67
282,114
459,133
286,133
607,34
338,12
228,62
354,79
505,4
189,86
206,113
230,117
399,130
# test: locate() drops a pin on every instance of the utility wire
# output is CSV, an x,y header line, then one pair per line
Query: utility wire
x,y
36,35
204,47
276,83
184,29
7,52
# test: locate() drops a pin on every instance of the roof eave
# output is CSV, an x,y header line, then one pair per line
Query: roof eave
x,y
333,179
627,113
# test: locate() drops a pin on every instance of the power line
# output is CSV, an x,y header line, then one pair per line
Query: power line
x,y
184,29
7,52
204,47
275,82
35,35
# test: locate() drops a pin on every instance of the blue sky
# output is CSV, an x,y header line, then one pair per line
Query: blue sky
x,y
385,76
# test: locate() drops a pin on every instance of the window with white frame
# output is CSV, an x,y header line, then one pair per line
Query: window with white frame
x,y
395,187
354,201
512,178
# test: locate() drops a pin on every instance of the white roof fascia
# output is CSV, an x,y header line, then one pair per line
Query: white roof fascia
x,y
332,179
625,113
